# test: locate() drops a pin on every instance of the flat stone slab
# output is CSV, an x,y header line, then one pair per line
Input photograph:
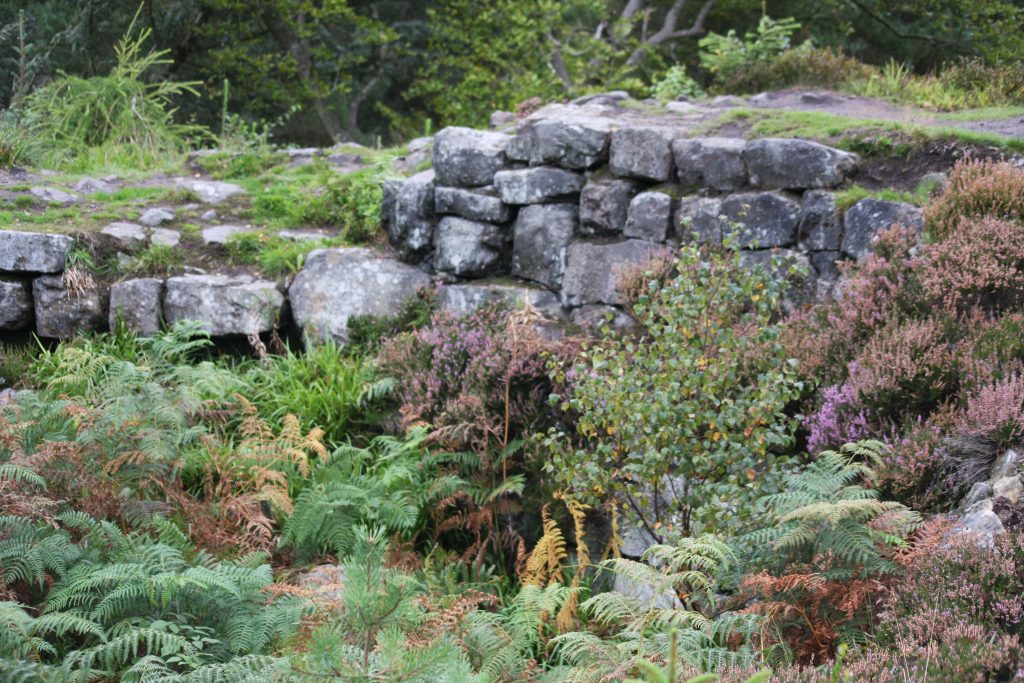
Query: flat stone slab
x,y
54,195
164,237
537,185
127,235
33,252
156,216
790,164
593,270
225,304
336,284
220,234
210,191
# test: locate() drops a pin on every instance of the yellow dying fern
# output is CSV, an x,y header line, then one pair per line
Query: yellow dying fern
x,y
544,565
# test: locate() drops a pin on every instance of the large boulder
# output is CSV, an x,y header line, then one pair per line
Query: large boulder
x,y
700,218
62,313
469,248
540,237
407,213
649,217
33,252
15,304
481,204
642,153
869,216
138,303
465,157
788,164
716,163
604,203
463,299
821,227
593,270
336,284
225,304
537,185
768,219
577,142
211,191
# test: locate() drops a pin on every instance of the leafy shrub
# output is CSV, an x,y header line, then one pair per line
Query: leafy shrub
x,y
977,189
119,117
684,424
728,56
675,82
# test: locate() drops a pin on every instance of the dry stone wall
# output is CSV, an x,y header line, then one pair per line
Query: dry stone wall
x,y
550,212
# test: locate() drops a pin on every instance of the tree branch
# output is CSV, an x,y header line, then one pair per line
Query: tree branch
x,y
668,30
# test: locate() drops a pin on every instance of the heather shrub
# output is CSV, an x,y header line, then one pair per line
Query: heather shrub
x,y
956,613
842,418
995,412
481,379
882,288
977,189
979,262
683,425
912,470
907,367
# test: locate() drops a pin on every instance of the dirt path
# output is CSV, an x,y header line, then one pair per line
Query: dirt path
x,y
840,104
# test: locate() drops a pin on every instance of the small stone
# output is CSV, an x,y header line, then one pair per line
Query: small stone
x,y
980,491
477,205
137,302
982,521
1009,488
500,119
649,217
602,98
33,252
156,216
220,234
209,216
127,235
53,195
643,153
728,102
62,314
716,163
682,108
15,304
604,203
92,186
465,157
1006,466
537,185
467,248
211,191
541,236
301,235
164,237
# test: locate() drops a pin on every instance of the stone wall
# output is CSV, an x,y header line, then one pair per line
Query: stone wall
x,y
550,211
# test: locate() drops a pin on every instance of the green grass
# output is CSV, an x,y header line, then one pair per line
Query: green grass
x,y
850,196
847,130
982,113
